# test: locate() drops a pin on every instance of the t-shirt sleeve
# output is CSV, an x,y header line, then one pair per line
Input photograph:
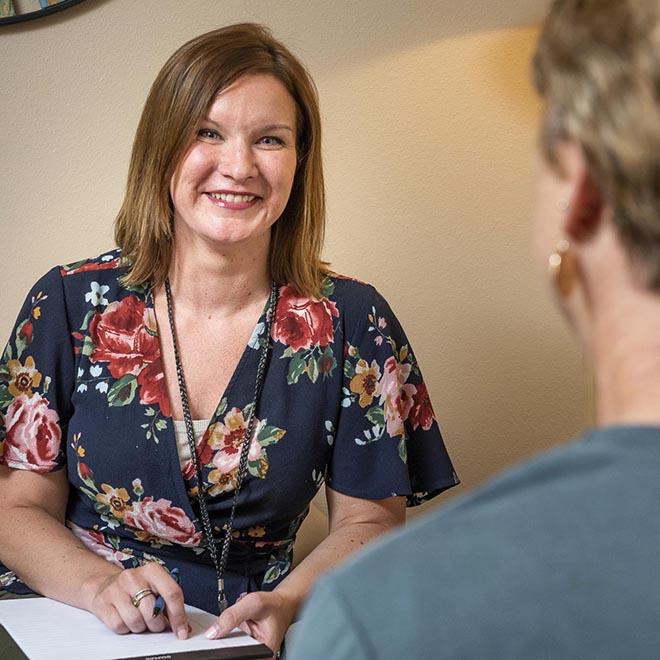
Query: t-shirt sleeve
x,y
327,630
387,441
37,374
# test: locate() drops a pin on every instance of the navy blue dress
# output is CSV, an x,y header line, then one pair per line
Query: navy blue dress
x,y
82,388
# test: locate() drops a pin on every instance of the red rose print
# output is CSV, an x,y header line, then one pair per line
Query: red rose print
x,y
91,266
204,453
422,410
326,363
33,434
95,541
303,322
396,395
188,471
121,338
85,471
26,332
153,388
163,521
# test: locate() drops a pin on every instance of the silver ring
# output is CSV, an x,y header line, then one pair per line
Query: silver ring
x,y
138,596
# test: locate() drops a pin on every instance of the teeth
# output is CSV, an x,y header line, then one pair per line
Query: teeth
x,y
232,199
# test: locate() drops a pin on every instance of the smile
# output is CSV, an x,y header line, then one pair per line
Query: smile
x,y
232,199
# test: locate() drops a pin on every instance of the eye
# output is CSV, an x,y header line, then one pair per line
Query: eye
x,y
208,134
271,141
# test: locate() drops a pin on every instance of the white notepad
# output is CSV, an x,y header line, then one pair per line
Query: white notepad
x,y
46,629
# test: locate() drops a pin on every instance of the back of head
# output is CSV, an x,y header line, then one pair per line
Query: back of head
x,y
598,67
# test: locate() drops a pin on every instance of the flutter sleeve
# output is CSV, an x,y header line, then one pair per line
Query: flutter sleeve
x,y
387,441
37,373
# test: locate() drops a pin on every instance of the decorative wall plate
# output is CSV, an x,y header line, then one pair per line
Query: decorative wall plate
x,y
15,11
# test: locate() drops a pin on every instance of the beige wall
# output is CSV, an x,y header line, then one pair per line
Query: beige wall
x,y
429,133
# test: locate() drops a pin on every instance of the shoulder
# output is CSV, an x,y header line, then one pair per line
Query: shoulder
x,y
108,262
508,554
359,303
348,291
75,285
489,514
344,304
472,518
95,278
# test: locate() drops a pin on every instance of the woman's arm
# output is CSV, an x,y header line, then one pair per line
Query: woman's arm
x,y
35,543
38,547
353,522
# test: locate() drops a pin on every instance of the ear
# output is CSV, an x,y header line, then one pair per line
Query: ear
x,y
585,210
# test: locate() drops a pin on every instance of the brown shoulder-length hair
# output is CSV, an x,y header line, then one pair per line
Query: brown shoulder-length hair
x,y
177,102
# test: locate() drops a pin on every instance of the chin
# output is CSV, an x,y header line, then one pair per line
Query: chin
x,y
226,239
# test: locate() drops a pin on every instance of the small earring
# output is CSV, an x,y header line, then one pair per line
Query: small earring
x,y
562,267
563,205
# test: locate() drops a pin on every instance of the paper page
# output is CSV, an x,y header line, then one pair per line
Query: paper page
x,y
48,630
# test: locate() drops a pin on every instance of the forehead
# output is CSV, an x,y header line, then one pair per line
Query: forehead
x,y
254,98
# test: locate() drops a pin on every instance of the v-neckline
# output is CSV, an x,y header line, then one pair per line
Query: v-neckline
x,y
223,401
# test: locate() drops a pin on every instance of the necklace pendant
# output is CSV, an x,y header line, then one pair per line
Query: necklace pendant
x,y
222,598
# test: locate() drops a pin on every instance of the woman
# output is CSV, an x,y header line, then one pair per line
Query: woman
x,y
143,371
557,558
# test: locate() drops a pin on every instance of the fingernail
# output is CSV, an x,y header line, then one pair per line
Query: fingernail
x,y
182,633
243,595
211,632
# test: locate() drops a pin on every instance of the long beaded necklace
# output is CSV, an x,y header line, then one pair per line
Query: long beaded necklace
x,y
220,564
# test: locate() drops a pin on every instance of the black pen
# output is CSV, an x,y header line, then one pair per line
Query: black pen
x,y
159,605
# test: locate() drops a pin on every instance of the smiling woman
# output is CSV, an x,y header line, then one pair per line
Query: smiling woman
x,y
235,180
201,382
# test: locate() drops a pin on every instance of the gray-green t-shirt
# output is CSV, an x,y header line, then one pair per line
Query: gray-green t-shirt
x,y
558,558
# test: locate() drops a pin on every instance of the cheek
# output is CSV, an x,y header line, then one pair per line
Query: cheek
x,y
281,175
194,168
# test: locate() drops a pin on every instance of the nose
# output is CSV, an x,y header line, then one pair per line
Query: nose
x,y
238,162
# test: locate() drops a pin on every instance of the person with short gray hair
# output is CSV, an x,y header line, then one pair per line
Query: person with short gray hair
x,y
556,558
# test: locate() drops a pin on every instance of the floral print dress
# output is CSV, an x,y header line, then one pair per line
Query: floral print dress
x,y
82,388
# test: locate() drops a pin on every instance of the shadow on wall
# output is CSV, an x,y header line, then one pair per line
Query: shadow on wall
x,y
508,77
330,28
348,31
334,34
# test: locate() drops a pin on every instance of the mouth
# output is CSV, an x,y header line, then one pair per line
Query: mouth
x,y
236,201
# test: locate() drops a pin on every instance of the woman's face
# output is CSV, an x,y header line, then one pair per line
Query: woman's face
x,y
235,180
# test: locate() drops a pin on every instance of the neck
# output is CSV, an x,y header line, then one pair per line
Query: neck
x,y
208,280
625,347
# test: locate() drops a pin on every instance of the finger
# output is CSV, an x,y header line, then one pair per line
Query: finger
x,y
146,607
247,627
131,582
131,615
111,618
250,607
162,584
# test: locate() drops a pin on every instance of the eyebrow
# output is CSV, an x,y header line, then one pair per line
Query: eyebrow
x,y
275,127
268,127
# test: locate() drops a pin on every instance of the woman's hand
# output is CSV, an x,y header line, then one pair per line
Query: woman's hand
x,y
109,599
265,615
